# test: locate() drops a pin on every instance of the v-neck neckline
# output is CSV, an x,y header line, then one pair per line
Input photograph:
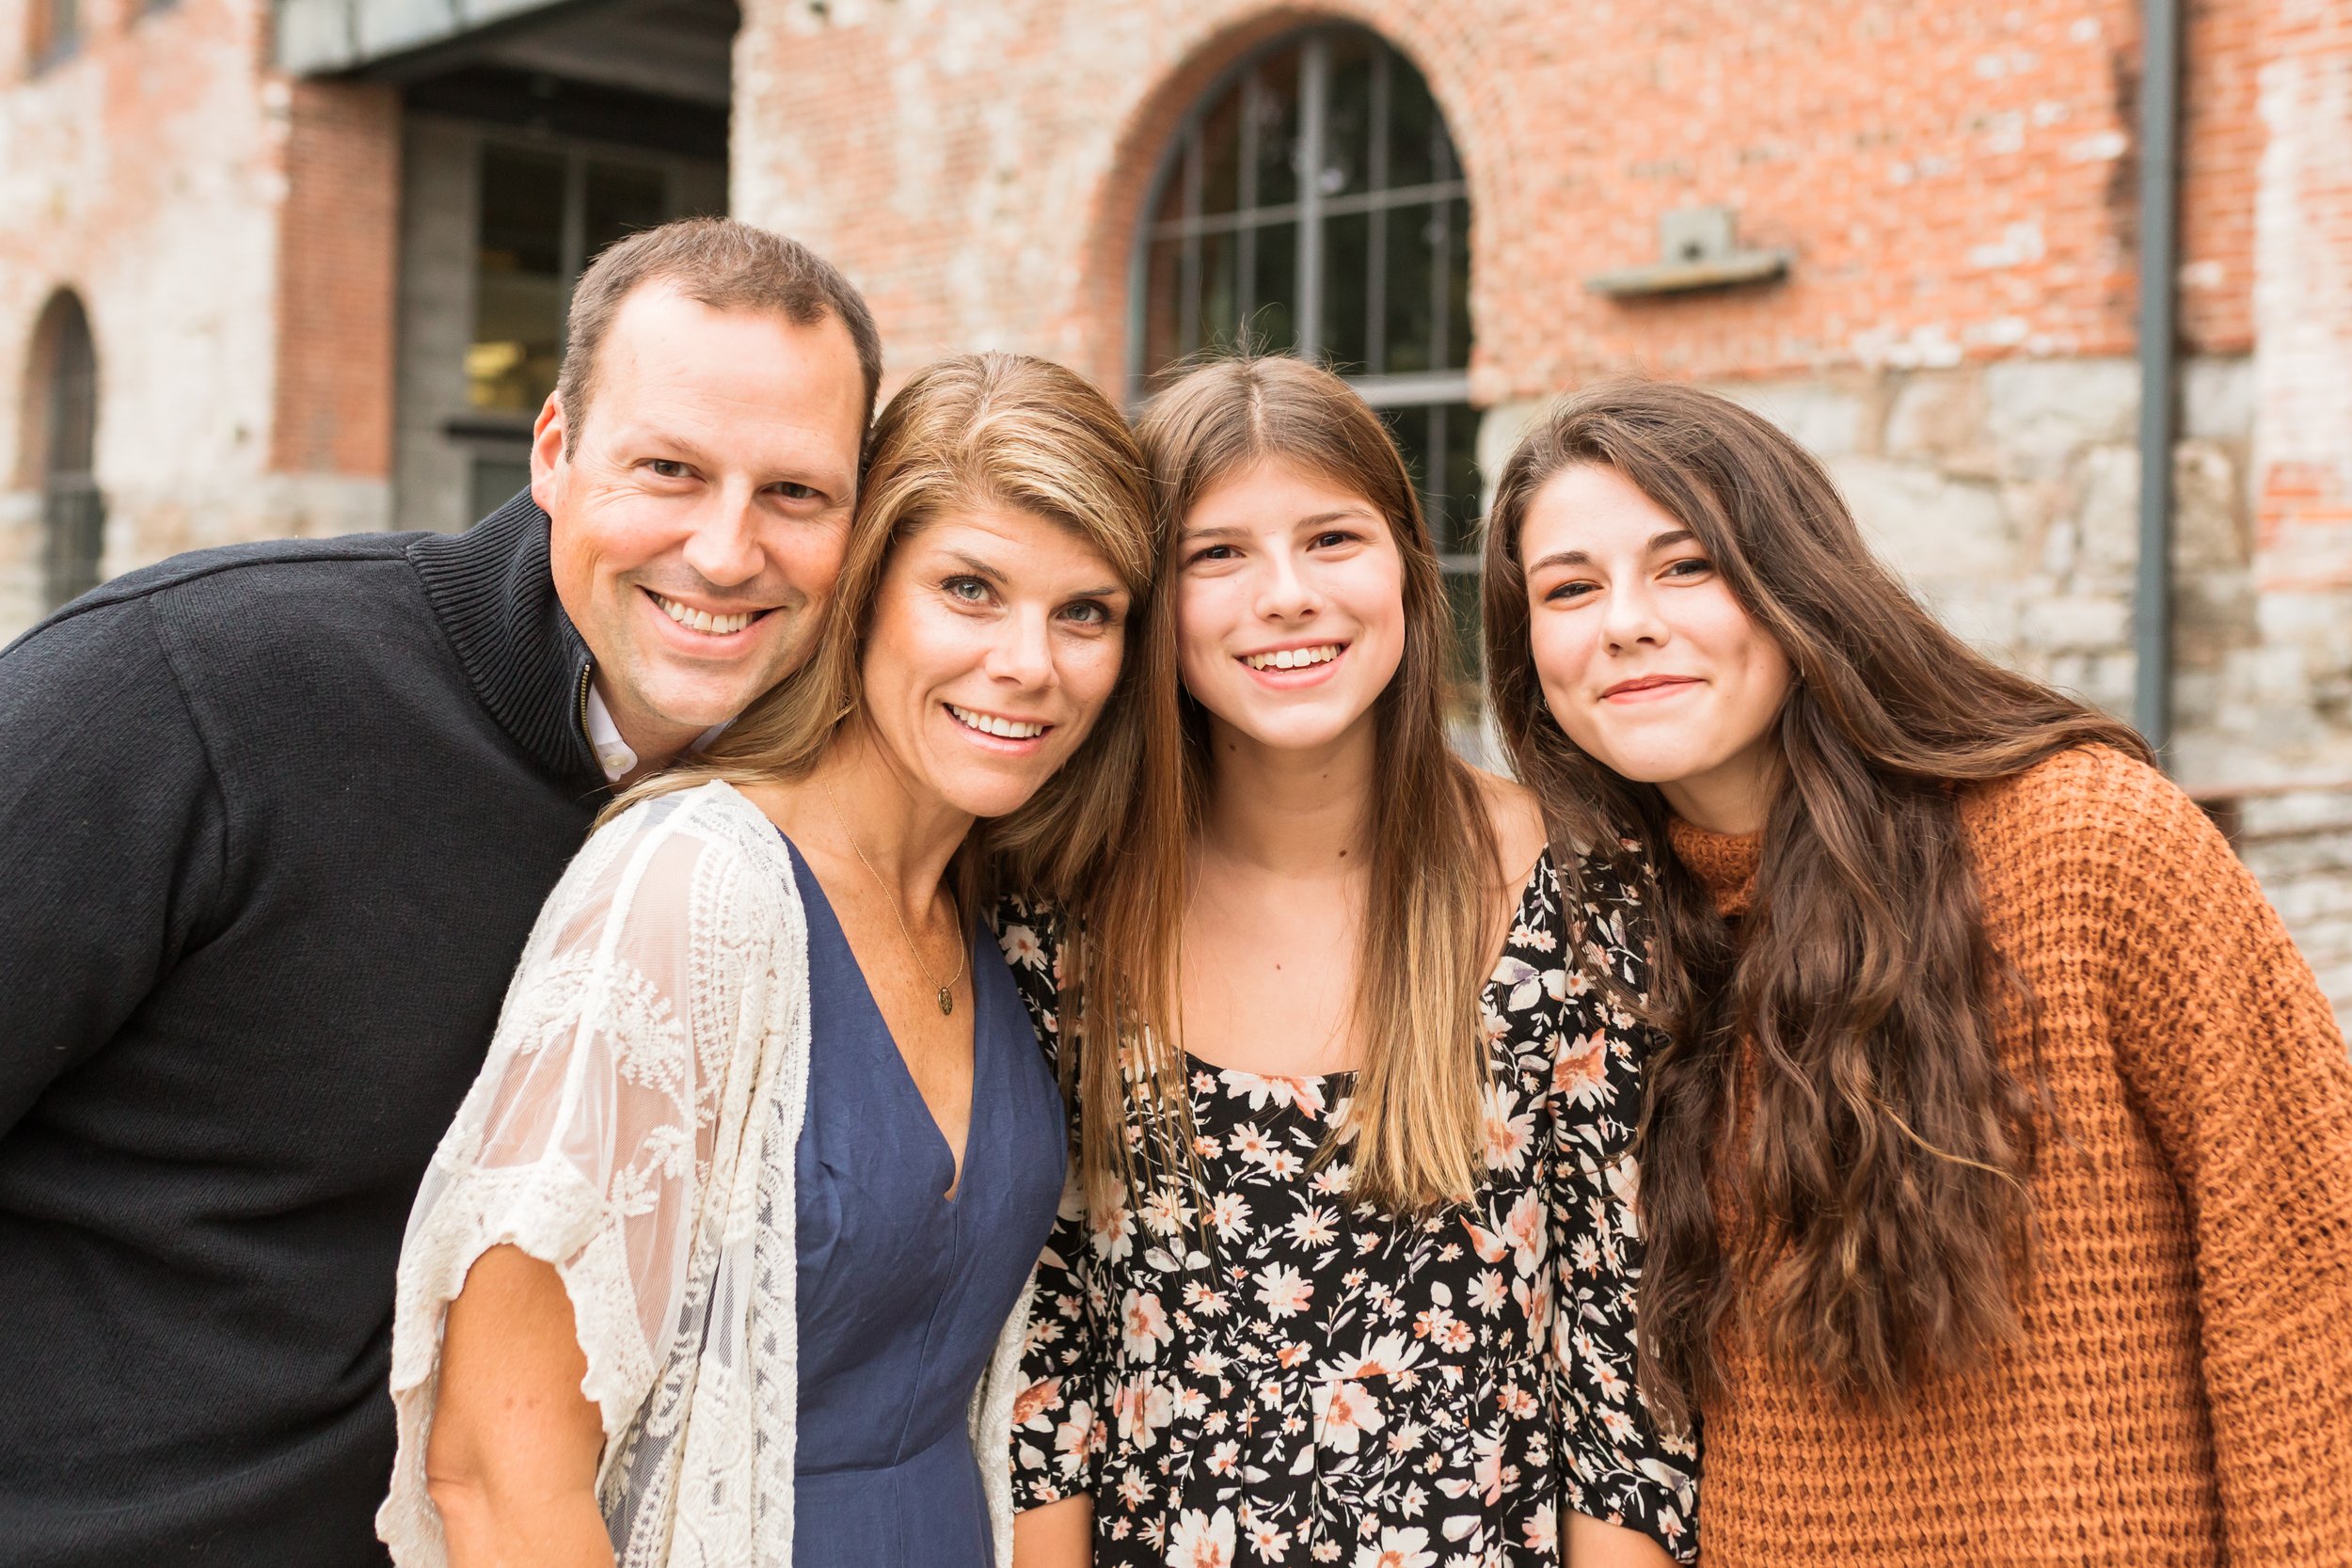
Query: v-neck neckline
x,y
958,1170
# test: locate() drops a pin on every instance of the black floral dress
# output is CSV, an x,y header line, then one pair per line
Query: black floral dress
x,y
1259,1371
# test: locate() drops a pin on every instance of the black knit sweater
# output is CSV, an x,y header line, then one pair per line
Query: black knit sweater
x,y
276,821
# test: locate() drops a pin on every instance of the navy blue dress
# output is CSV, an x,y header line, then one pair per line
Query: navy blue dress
x,y
902,1290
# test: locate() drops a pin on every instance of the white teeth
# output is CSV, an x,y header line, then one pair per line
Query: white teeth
x,y
988,723
1293,658
702,620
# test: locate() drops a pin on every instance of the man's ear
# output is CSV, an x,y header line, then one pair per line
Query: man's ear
x,y
548,460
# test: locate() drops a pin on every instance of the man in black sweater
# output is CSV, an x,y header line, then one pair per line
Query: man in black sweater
x,y
277,820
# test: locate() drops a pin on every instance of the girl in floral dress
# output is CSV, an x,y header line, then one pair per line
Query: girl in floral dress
x,y
1347,1271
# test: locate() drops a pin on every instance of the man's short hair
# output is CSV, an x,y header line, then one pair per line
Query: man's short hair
x,y
721,262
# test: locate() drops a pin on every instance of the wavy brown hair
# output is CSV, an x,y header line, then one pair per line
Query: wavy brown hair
x,y
978,431
1835,1159
1415,1125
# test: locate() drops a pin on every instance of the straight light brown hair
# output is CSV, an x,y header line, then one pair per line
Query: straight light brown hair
x,y
979,432
721,262
1416,1127
1833,1157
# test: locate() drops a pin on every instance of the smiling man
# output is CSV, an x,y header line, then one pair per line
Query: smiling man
x,y
280,817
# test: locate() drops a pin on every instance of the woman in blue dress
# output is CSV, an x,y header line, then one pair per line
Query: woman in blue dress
x,y
725,1258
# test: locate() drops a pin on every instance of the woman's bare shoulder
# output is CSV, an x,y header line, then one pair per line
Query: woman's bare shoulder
x,y
1516,819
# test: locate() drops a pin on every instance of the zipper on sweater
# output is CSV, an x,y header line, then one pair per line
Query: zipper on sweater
x,y
579,706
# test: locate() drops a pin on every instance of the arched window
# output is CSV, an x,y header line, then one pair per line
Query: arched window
x,y
64,406
1313,204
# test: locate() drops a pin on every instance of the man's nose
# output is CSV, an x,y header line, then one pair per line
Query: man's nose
x,y
725,546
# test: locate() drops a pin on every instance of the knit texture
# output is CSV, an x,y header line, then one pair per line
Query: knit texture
x,y
2183,1390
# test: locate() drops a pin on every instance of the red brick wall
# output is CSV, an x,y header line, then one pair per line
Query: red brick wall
x,y
337,255
2303,363
1957,181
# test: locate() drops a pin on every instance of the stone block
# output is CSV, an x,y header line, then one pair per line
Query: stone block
x,y
2038,413
2077,623
2218,398
1938,415
1928,526
2211,528
1829,419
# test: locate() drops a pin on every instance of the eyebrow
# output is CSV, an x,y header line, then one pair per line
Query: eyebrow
x,y
1577,558
980,568
1312,519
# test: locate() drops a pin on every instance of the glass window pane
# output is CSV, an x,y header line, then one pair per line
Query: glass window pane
x,y
1274,290
1163,310
1457,272
1414,129
1172,192
1455,491
1347,129
1221,291
1221,157
622,198
518,281
1409,314
1275,108
1347,306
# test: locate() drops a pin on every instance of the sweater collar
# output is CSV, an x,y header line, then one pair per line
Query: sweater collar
x,y
1725,864
491,589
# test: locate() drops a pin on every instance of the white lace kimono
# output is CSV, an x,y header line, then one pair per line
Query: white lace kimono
x,y
634,1125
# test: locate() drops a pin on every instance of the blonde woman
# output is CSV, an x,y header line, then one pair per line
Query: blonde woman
x,y
717,1260
1344,1279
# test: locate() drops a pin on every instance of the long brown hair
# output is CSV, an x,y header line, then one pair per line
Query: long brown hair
x,y
1875,1223
1415,1123
976,432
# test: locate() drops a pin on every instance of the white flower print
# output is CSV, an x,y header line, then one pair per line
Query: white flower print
x,y
1144,1325
1201,1539
1397,1548
1283,1290
1344,1411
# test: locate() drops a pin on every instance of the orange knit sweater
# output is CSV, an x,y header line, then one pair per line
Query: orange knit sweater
x,y
2183,1393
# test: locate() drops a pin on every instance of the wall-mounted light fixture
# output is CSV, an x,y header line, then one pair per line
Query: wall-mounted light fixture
x,y
1698,248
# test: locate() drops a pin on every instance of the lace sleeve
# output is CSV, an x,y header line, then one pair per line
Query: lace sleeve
x,y
588,1138
1616,1465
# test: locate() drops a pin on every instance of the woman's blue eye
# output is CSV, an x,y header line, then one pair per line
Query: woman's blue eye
x,y
1090,612
970,590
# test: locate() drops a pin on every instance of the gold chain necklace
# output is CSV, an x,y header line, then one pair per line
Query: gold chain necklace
x,y
947,992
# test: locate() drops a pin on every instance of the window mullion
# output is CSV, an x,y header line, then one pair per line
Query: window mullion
x,y
1313,113
1191,283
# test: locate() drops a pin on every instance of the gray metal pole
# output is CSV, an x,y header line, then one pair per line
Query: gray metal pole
x,y
2159,271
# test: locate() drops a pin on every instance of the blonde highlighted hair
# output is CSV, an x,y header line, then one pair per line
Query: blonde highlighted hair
x,y
1416,1127
978,431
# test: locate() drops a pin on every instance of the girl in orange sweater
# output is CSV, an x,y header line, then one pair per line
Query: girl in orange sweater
x,y
1996,1172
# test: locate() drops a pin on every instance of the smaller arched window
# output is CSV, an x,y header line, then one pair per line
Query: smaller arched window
x,y
63,403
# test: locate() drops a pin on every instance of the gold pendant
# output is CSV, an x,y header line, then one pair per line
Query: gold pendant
x,y
947,1000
